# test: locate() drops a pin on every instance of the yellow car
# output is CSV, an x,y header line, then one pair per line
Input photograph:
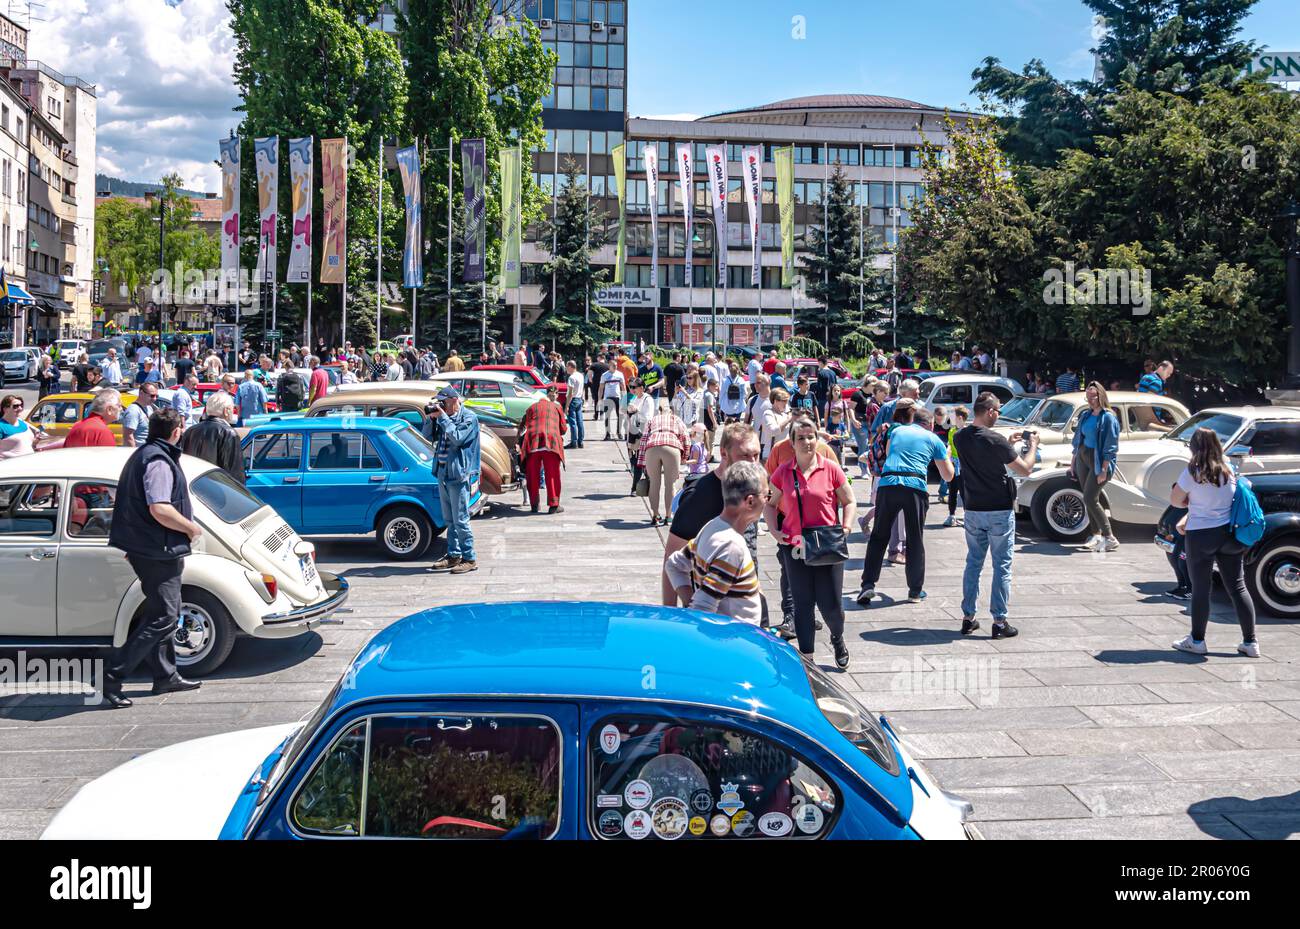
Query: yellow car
x,y
58,413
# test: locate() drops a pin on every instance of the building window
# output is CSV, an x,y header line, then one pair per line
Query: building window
x,y
4,117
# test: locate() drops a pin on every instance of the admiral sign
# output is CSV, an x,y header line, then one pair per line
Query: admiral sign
x,y
628,297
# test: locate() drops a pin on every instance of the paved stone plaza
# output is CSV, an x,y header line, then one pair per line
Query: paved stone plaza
x,y
1086,726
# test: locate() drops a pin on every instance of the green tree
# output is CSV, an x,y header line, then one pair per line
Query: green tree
x,y
1177,46
838,265
579,231
468,334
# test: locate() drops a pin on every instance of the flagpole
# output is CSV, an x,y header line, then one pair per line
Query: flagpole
x,y
758,246
450,181
722,237
483,347
415,329
861,198
586,232
555,232
379,252
894,251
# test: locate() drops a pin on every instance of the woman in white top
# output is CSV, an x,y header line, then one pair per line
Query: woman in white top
x,y
689,402
1207,487
776,422
17,438
640,408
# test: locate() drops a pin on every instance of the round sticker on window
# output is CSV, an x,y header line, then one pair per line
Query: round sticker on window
x,y
610,739
775,824
698,826
668,818
701,801
637,824
720,825
610,823
809,818
638,795
742,824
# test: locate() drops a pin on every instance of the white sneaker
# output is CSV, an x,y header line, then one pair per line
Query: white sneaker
x,y
1094,544
1109,544
1188,644
1249,649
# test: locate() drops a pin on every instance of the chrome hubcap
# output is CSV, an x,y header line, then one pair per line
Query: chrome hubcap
x,y
195,634
1066,512
402,536
1286,578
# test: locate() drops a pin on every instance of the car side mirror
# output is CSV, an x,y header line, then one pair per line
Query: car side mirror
x,y
1239,451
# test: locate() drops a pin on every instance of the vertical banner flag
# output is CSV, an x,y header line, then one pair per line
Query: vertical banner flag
x,y
408,163
512,164
300,181
473,159
651,155
753,158
266,160
717,159
619,154
334,199
686,188
230,208
785,200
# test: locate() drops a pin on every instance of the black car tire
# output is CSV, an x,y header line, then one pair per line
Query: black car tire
x,y
1060,494
1262,570
410,529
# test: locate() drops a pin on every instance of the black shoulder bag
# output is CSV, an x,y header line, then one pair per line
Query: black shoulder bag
x,y
822,545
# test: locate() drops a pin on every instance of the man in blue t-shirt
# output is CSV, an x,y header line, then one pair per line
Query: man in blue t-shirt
x,y
1153,382
826,379
903,489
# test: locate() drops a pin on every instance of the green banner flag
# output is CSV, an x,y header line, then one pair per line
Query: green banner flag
x,y
512,162
619,154
785,201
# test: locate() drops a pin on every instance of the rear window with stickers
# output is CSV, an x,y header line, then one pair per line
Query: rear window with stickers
x,y
668,779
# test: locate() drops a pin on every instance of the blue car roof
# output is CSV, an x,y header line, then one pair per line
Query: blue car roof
x,y
327,423
601,650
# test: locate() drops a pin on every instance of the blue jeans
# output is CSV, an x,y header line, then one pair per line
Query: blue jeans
x,y
985,531
455,497
863,439
577,428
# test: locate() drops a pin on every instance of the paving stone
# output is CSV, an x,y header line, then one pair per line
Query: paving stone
x,y
1023,803
1123,740
1143,827
24,824
1184,714
31,792
957,773
1263,736
1207,796
1225,692
1191,766
1126,674
973,720
986,744
1066,695
1270,825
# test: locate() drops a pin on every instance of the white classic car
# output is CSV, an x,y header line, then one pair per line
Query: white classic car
x,y
1141,416
950,390
1257,439
61,585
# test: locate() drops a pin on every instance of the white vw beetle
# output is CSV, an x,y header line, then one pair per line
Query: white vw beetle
x,y
61,585
1256,439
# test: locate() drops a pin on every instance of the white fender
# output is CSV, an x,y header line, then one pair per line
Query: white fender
x,y
224,579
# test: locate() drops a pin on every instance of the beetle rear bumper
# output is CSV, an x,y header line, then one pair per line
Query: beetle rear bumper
x,y
296,622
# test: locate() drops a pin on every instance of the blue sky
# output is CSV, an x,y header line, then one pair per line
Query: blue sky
x,y
922,50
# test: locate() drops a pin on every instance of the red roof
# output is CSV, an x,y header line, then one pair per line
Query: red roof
x,y
206,209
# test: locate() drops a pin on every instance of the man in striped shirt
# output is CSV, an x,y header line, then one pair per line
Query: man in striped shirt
x,y
1068,382
715,572
1154,382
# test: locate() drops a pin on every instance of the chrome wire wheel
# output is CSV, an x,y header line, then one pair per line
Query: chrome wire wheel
x,y
195,635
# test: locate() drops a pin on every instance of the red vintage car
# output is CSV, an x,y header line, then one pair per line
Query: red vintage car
x,y
531,377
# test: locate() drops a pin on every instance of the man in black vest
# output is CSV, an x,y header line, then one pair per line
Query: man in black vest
x,y
152,524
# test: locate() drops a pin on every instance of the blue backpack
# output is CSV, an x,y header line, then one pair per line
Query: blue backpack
x,y
1247,516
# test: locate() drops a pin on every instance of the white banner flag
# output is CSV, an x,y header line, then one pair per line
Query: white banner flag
x,y
753,161
686,189
266,157
717,159
300,180
230,208
651,155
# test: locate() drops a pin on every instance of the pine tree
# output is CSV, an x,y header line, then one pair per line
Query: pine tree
x,y
835,273
579,230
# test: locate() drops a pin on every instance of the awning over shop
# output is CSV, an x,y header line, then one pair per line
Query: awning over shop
x,y
18,294
52,307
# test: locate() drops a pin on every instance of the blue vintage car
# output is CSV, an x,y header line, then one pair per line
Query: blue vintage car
x,y
345,475
546,721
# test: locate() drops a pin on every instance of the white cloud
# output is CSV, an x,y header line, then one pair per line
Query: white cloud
x,y
163,71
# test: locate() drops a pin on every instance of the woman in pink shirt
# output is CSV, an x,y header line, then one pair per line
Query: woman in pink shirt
x,y
810,491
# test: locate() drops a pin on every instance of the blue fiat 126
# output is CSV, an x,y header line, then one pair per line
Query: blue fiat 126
x,y
350,475
546,721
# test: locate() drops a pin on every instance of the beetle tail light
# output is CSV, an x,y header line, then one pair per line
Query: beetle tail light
x,y
271,584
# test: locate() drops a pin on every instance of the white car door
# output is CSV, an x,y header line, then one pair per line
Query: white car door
x,y
1274,446
93,578
29,548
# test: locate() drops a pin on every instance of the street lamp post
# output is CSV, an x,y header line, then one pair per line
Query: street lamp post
x,y
713,295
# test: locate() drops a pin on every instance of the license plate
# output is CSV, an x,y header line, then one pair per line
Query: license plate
x,y
308,569
1165,544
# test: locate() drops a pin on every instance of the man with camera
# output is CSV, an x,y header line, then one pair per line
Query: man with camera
x,y
454,432
989,500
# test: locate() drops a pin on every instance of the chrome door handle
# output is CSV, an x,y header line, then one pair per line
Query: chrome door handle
x,y
41,554
292,480
377,478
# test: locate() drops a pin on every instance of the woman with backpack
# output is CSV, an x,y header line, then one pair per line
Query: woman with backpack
x,y
1208,487
1096,445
